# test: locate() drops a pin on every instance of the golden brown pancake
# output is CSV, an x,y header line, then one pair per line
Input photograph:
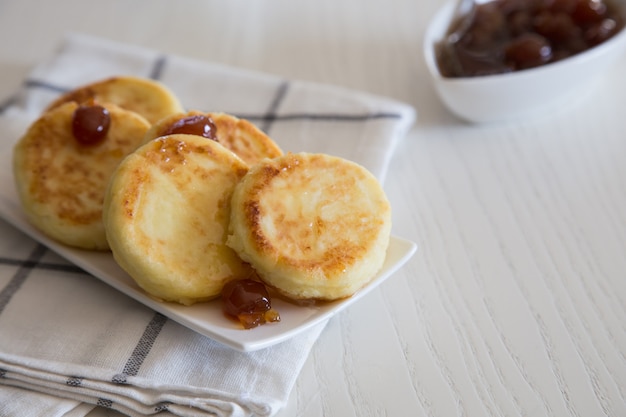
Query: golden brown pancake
x,y
61,182
166,214
314,226
239,135
149,98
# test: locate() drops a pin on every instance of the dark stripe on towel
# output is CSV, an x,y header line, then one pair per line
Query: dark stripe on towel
x,y
42,265
142,349
74,381
102,402
7,103
162,407
270,115
157,68
20,276
45,86
327,117
266,119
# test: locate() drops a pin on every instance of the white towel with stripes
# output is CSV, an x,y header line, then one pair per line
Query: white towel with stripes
x,y
69,342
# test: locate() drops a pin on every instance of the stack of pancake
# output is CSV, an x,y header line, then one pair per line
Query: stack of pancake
x,y
188,200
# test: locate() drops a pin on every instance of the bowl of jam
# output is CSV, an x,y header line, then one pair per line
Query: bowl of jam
x,y
509,59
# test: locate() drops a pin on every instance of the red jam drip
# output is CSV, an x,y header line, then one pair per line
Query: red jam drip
x,y
248,301
510,35
199,125
90,124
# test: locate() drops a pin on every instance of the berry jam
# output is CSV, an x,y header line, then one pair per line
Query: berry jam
x,y
248,301
90,124
511,35
198,125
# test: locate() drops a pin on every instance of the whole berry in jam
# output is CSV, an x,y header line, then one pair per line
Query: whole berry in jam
x,y
199,125
90,123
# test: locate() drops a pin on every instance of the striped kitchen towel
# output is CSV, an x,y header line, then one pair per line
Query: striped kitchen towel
x,y
69,342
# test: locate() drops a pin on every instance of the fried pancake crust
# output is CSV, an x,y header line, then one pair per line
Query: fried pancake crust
x,y
313,226
61,183
149,98
166,214
239,135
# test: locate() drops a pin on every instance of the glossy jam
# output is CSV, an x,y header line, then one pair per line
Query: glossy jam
x,y
198,125
512,35
90,124
248,301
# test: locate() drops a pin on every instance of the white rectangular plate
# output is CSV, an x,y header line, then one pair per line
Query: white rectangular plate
x,y
204,318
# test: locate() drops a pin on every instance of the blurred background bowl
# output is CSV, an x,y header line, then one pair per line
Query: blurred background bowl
x,y
523,93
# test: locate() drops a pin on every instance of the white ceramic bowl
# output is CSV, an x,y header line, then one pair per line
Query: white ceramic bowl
x,y
519,94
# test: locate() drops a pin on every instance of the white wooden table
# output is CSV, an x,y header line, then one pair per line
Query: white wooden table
x,y
515,304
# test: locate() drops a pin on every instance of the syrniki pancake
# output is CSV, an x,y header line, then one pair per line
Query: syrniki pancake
x,y
313,226
61,182
149,98
239,135
166,214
